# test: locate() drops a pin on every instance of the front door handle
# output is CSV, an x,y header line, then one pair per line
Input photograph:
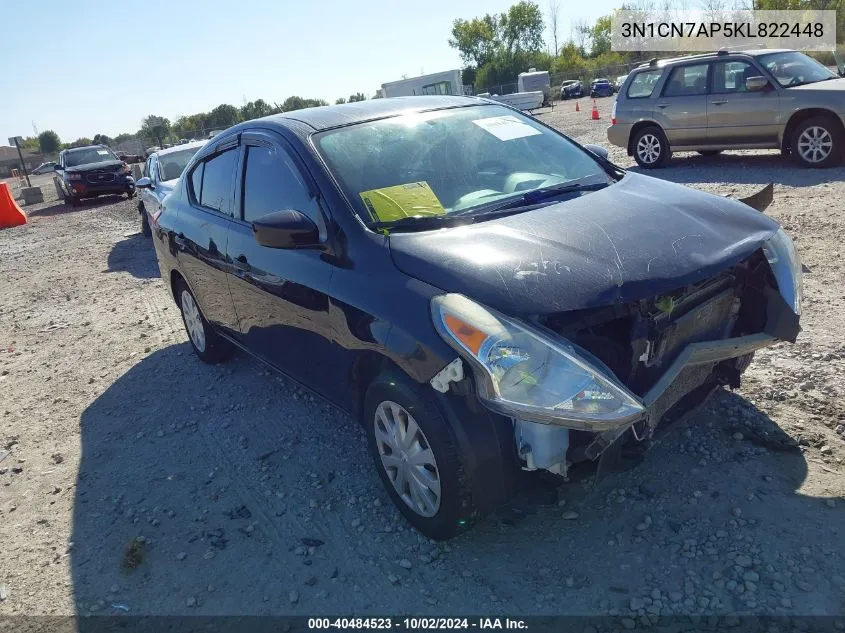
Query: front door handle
x,y
721,102
662,105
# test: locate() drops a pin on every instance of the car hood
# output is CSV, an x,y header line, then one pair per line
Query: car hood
x,y
637,238
106,165
831,85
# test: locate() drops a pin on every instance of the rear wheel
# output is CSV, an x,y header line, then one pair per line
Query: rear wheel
x,y
416,457
208,345
818,142
651,147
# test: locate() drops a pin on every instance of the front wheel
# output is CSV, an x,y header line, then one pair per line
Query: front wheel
x,y
208,345
818,142
146,231
416,456
651,148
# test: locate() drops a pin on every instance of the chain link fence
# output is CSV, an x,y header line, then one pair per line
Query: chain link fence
x,y
556,79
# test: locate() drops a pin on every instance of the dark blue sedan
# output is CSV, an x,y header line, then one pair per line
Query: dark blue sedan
x,y
601,88
482,293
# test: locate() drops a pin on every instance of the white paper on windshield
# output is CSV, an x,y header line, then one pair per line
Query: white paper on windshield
x,y
506,128
102,152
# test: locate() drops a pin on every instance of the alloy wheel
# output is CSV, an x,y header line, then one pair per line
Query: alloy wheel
x,y
407,458
815,144
193,321
648,148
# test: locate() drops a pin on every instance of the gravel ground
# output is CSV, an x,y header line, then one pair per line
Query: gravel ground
x,y
135,477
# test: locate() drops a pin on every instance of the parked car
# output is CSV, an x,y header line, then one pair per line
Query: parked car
x,y
571,88
765,99
91,171
44,168
482,293
618,83
161,171
601,88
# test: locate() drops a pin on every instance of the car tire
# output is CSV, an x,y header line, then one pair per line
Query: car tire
x,y
399,417
146,231
710,152
208,344
651,147
818,142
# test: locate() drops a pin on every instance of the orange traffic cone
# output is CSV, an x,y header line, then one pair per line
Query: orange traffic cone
x,y
10,213
595,116
577,106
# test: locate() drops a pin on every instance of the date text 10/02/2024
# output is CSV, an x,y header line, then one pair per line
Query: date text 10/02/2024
x,y
417,624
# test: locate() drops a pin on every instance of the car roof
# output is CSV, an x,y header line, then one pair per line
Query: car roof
x,y
661,63
70,150
178,148
326,117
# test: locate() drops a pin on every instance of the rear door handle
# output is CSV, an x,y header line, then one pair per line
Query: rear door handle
x,y
722,102
662,105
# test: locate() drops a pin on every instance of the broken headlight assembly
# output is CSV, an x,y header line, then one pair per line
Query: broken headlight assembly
x,y
786,267
525,374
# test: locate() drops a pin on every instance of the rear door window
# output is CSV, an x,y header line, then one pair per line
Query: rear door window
x,y
687,81
731,76
215,190
642,85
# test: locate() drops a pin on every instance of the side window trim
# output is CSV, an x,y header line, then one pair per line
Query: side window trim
x,y
271,140
217,151
265,138
668,81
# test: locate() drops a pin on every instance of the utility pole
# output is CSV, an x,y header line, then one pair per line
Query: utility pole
x,y
20,155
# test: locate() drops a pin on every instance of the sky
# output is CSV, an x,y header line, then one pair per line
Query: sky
x,y
86,67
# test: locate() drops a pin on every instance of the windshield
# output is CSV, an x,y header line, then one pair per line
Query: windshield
x,y
794,69
447,161
172,164
89,155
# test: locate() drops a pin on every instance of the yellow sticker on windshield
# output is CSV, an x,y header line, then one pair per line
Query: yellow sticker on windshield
x,y
401,201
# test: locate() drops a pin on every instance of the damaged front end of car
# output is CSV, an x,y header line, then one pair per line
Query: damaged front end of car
x,y
577,383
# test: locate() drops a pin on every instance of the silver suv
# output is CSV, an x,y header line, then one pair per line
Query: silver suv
x,y
766,99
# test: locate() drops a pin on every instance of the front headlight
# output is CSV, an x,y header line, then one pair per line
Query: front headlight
x,y
786,267
523,373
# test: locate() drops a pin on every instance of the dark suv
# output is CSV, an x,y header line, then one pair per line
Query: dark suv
x,y
91,171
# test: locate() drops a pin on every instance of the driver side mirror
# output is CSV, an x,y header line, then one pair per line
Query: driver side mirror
x,y
286,229
598,150
57,167
144,183
756,84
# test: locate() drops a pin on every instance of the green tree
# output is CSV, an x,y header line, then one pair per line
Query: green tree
x,y
254,110
102,139
81,142
600,37
30,143
481,40
223,116
358,96
120,138
476,40
339,101
297,103
48,142
155,128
